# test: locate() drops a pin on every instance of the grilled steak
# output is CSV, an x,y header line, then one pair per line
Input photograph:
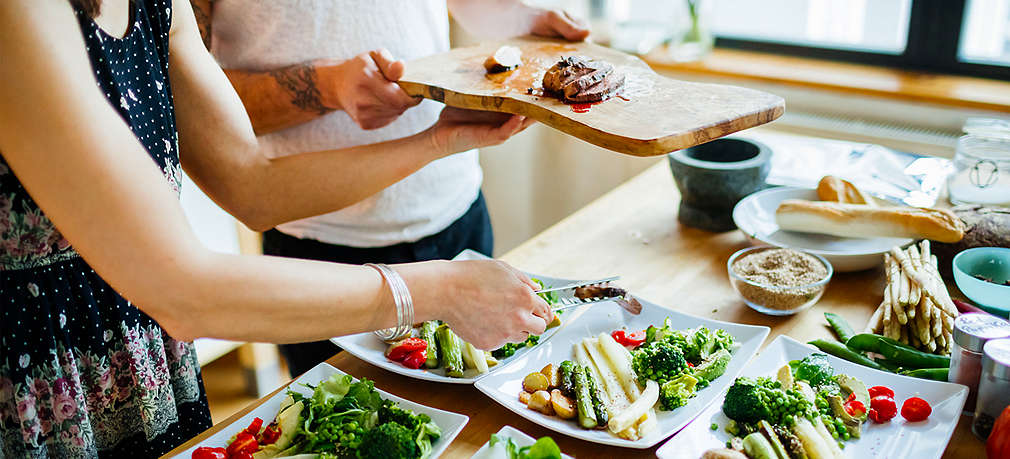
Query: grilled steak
x,y
578,79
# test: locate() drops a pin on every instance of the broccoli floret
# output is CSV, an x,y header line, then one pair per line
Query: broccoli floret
x,y
421,426
659,361
389,441
751,400
391,412
675,392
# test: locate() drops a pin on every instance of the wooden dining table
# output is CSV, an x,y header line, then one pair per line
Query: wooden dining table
x,y
633,232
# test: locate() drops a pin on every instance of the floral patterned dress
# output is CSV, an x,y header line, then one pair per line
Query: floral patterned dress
x,y
84,373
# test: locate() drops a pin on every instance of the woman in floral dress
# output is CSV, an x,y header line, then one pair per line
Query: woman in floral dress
x,y
103,284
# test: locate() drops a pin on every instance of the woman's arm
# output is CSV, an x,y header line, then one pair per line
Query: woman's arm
x,y
94,180
222,154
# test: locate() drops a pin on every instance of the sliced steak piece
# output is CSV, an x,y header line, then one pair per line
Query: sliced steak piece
x,y
609,87
587,80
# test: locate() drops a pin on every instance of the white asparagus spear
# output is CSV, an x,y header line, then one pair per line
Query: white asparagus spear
x,y
637,410
895,288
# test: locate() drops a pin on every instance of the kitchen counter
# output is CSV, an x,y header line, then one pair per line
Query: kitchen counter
x,y
633,232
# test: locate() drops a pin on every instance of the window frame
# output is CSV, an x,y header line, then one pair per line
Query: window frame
x,y
934,32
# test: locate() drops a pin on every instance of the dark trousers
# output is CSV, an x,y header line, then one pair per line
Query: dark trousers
x,y
471,231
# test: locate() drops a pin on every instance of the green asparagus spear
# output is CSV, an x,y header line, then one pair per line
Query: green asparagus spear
x,y
565,378
428,335
452,351
583,399
598,408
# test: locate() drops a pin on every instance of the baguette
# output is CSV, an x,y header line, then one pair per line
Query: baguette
x,y
861,220
834,189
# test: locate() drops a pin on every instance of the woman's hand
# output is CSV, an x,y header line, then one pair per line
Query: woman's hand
x,y
365,87
460,130
489,303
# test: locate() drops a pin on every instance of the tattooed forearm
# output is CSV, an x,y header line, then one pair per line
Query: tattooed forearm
x,y
300,82
203,10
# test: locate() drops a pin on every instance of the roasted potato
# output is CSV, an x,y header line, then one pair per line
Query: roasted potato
x,y
541,401
534,382
524,397
562,405
551,372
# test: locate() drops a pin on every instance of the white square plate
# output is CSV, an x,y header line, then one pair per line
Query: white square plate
x,y
368,347
896,439
504,385
521,439
450,423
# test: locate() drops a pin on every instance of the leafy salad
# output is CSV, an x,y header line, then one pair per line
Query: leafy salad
x,y
615,381
341,419
805,411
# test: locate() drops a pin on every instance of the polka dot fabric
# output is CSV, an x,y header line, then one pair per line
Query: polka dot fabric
x,y
84,373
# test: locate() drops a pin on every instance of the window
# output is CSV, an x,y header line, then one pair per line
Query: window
x,y
879,26
985,33
968,37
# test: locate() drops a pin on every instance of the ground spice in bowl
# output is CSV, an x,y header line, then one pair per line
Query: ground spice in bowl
x,y
784,277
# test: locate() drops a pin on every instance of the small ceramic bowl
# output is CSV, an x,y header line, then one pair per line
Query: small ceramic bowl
x,y
772,299
992,263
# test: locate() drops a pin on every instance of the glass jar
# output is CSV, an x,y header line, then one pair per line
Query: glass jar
x,y
692,37
971,332
994,388
982,164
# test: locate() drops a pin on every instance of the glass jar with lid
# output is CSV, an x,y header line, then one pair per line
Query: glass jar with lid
x,y
982,164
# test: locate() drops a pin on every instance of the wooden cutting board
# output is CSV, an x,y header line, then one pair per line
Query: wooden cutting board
x,y
655,115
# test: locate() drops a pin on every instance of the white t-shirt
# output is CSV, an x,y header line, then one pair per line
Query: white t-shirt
x,y
267,34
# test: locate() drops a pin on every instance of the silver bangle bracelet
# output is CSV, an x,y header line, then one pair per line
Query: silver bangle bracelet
x,y
402,301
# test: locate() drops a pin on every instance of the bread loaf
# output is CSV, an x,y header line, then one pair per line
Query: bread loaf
x,y
861,220
834,189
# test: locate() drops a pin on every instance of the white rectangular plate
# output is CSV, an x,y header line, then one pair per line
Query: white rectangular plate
x,y
504,385
450,423
368,347
521,439
896,439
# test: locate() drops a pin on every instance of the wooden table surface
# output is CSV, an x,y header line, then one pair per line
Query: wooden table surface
x,y
633,232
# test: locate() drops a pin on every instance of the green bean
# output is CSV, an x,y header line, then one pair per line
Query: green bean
x,y
896,352
840,326
936,374
841,351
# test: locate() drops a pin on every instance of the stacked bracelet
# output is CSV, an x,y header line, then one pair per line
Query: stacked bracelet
x,y
402,301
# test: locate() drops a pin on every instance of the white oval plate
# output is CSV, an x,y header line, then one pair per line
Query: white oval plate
x,y
498,452
755,216
450,423
897,439
368,347
504,385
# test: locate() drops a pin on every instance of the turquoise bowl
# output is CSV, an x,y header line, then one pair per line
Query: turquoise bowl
x,y
990,262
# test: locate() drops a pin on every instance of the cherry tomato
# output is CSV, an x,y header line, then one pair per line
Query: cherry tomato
x,y
636,338
619,335
241,455
254,427
206,452
852,396
855,408
916,409
415,359
881,390
882,409
399,350
270,434
244,443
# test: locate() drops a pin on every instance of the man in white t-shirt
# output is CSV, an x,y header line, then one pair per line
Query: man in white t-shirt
x,y
319,74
